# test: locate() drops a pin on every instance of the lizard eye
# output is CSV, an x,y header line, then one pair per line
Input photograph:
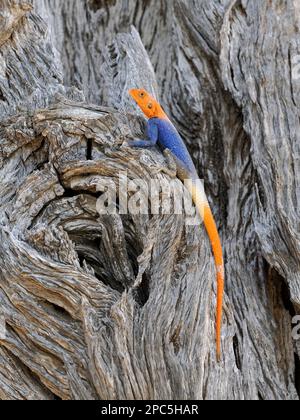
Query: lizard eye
x,y
142,94
150,106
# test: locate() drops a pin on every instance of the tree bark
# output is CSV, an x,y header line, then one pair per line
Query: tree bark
x,y
123,306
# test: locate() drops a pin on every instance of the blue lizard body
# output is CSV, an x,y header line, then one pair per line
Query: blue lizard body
x,y
162,132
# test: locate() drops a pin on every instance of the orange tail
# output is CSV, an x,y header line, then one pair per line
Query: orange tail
x,y
202,205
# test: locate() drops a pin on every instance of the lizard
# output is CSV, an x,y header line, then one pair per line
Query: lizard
x,y
162,132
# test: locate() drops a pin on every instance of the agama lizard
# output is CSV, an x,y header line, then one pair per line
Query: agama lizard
x,y
161,131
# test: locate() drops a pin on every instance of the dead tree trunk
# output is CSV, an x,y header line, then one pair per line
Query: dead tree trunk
x,y
122,307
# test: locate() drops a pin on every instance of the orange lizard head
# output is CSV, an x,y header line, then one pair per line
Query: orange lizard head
x,y
147,103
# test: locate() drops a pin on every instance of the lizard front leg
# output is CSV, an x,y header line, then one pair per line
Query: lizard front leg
x,y
152,133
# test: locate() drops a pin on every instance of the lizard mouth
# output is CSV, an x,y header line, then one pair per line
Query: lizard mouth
x,y
133,93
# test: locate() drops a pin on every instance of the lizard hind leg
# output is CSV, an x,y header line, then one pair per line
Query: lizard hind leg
x,y
216,245
170,168
203,207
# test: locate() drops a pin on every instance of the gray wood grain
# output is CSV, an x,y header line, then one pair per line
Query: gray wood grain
x,y
122,307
